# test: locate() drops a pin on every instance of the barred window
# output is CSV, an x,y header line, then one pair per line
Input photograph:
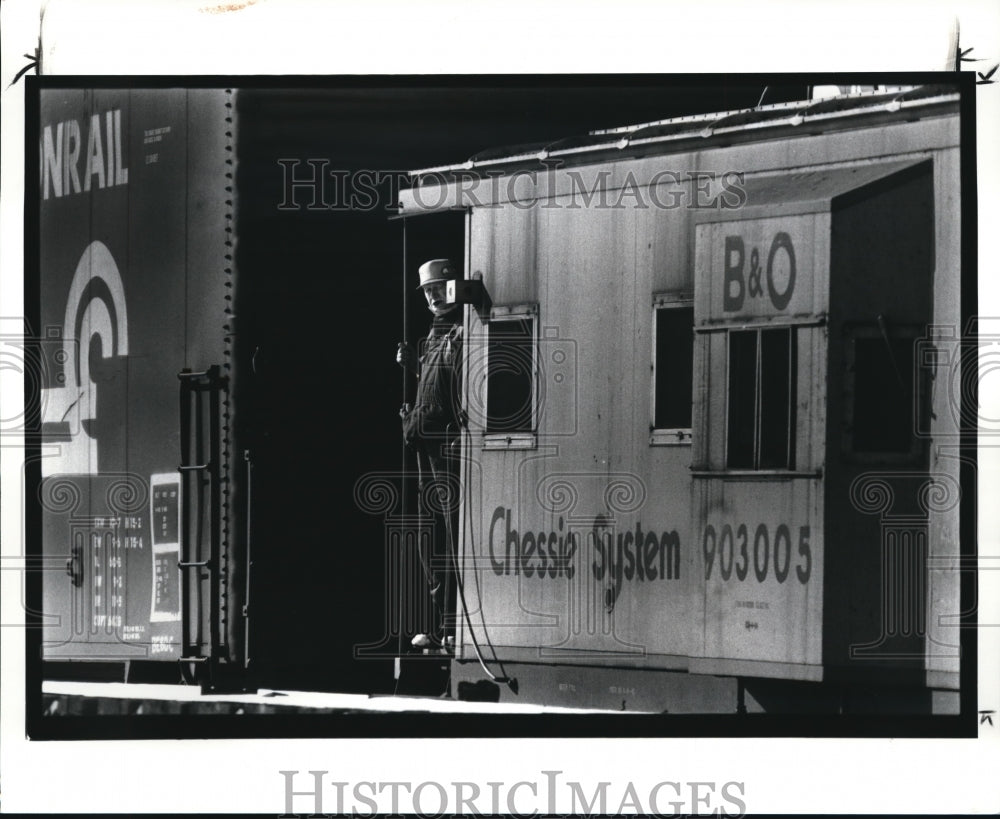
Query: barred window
x,y
760,428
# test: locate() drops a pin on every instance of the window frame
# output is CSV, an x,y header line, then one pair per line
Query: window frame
x,y
522,439
669,436
791,441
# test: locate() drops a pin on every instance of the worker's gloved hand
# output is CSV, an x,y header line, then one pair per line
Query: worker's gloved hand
x,y
424,423
412,423
406,357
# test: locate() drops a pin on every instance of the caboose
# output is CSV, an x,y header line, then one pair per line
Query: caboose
x,y
711,462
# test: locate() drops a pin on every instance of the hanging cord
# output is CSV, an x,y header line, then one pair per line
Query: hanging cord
x,y
503,678
475,575
398,661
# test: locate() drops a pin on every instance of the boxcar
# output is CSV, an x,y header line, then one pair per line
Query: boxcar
x,y
142,484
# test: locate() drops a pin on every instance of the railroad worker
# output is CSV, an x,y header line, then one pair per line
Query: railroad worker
x,y
432,428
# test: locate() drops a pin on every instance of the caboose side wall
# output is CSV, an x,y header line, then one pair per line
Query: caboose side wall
x,y
593,272
942,433
883,508
133,234
759,530
591,276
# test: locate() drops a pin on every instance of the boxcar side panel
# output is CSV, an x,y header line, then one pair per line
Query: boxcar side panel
x,y
209,331
119,248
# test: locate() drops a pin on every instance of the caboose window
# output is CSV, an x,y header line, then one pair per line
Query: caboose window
x,y
510,378
741,437
883,394
673,353
760,410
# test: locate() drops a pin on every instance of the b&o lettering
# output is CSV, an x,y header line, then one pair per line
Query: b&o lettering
x,y
739,284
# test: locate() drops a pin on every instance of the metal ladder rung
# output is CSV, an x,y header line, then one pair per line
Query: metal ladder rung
x,y
200,392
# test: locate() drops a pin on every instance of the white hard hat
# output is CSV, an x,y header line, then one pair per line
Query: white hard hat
x,y
437,270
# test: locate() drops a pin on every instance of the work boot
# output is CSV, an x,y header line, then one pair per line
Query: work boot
x,y
430,644
423,641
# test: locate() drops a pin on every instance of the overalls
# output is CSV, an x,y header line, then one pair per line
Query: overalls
x,y
432,429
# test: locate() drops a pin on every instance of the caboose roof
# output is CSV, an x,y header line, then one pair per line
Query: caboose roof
x,y
705,130
810,191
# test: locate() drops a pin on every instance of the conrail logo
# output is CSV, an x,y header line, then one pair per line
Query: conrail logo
x,y
95,314
100,142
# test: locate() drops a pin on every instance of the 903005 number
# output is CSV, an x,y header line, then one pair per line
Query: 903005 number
x,y
730,549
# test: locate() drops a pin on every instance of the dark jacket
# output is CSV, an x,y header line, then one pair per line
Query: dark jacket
x,y
437,408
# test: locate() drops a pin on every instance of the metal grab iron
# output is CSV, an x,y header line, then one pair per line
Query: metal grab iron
x,y
203,447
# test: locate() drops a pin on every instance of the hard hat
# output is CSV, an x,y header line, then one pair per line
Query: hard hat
x,y
437,270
